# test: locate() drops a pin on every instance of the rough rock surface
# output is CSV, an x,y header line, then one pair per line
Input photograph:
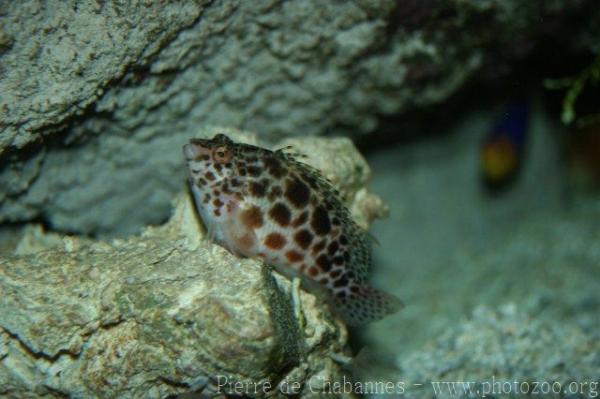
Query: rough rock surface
x,y
111,90
154,315
166,312
58,57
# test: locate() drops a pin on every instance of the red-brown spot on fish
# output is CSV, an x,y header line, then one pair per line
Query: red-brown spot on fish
x,y
294,256
252,217
275,241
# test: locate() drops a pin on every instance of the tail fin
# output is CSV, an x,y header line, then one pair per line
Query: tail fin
x,y
366,305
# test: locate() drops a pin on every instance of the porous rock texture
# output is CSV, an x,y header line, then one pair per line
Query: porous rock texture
x,y
166,312
150,316
97,97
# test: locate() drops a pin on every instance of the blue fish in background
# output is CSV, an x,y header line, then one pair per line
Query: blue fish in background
x,y
503,148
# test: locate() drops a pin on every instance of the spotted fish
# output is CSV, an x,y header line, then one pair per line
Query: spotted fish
x,y
266,204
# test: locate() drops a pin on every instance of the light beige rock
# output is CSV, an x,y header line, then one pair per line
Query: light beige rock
x,y
166,312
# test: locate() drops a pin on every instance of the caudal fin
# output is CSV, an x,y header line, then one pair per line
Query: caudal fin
x,y
366,305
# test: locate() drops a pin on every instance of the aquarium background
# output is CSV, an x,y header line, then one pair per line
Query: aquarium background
x,y
479,121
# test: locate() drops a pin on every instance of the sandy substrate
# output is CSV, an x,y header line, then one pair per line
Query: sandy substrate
x,y
448,248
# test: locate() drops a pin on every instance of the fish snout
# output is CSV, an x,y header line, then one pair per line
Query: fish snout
x,y
194,150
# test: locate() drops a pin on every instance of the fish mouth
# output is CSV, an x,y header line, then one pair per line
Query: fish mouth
x,y
196,148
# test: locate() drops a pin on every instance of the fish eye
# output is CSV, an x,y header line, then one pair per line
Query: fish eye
x,y
221,154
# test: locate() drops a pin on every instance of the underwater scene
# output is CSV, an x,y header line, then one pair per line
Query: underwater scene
x,y
300,199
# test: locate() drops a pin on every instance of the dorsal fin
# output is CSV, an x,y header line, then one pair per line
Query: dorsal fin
x,y
289,152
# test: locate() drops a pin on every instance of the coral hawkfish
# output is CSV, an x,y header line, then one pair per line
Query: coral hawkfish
x,y
268,205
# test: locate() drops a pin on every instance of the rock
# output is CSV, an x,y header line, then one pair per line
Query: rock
x,y
97,98
166,312
154,315
59,58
